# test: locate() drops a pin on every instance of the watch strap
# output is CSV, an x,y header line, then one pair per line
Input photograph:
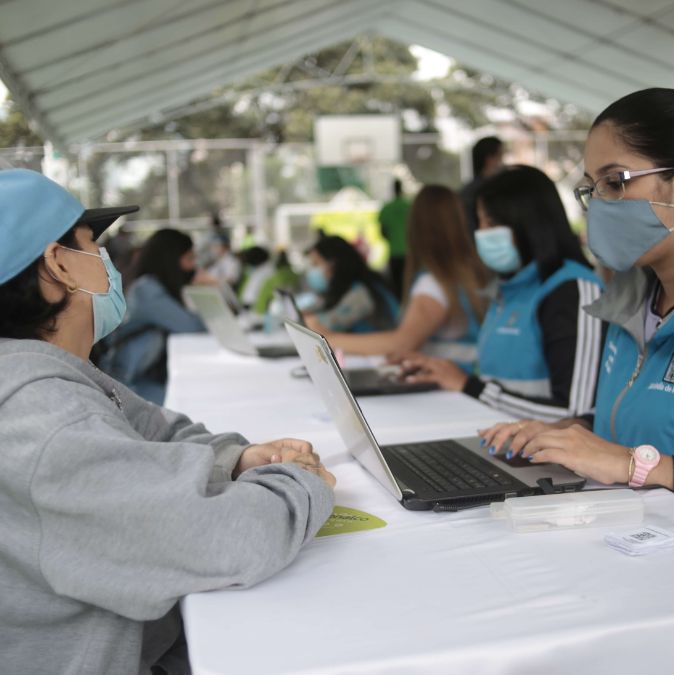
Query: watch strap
x,y
641,470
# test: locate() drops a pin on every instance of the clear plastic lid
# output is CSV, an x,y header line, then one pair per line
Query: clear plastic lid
x,y
595,508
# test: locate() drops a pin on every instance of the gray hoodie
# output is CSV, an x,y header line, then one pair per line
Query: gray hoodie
x,y
112,509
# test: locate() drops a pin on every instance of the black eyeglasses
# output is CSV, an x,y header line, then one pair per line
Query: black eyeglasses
x,y
611,187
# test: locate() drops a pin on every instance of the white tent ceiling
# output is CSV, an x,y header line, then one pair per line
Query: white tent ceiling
x,y
79,68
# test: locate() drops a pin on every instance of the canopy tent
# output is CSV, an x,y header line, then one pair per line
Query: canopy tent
x,y
79,69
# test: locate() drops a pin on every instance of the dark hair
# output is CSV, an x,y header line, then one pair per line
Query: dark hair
x,y
26,315
526,200
160,256
255,256
397,187
644,121
484,149
348,267
438,242
223,239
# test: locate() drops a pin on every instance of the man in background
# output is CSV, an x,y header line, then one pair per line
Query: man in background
x,y
393,222
487,160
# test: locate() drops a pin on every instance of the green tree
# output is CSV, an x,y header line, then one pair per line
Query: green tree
x,y
14,128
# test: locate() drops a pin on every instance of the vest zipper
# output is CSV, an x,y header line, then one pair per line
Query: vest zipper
x,y
635,373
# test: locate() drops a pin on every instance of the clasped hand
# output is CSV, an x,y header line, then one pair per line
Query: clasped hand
x,y
281,451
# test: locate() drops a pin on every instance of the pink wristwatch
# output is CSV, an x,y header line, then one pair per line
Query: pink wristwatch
x,y
646,458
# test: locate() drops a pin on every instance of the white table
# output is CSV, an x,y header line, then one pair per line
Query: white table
x,y
428,593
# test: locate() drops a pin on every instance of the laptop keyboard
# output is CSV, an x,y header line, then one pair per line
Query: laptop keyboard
x,y
447,466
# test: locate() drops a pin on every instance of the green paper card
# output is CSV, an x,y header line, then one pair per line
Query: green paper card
x,y
345,520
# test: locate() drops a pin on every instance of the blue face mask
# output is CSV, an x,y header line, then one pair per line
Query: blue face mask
x,y
316,279
497,250
109,308
620,232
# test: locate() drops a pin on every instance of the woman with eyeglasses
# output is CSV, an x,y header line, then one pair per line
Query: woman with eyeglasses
x,y
628,192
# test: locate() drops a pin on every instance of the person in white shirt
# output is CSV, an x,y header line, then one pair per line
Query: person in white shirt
x,y
443,306
227,266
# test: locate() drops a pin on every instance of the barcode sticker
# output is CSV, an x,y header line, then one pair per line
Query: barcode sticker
x,y
644,541
643,536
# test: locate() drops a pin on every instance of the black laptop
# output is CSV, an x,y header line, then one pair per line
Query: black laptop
x,y
382,381
445,475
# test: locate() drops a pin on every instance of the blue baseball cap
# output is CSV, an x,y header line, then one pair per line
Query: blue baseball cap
x,y
34,211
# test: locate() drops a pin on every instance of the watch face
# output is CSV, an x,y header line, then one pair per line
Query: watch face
x,y
647,454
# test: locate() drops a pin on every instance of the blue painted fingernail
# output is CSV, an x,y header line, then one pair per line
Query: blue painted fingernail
x,y
492,449
509,454
531,458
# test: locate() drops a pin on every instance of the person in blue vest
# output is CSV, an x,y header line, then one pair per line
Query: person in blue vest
x,y
444,280
351,296
628,192
538,352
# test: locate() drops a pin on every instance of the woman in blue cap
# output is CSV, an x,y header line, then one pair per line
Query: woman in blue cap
x,y
628,193
114,508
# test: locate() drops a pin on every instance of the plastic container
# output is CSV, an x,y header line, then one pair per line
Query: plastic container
x,y
597,508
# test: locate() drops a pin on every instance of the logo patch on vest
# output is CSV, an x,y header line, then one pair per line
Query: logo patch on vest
x,y
510,327
669,373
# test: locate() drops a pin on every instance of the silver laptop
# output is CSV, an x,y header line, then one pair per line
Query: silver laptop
x,y
362,381
444,475
210,305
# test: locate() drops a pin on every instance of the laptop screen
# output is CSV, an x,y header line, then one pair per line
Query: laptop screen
x,y
209,304
340,403
288,307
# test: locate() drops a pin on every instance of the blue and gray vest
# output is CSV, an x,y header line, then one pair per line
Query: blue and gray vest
x,y
635,394
510,344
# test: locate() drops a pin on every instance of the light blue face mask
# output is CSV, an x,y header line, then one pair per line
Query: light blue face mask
x,y
109,308
317,280
497,249
620,232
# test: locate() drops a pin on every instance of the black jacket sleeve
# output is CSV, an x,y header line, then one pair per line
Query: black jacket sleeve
x,y
572,343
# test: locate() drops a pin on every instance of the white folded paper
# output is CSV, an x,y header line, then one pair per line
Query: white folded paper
x,y
643,541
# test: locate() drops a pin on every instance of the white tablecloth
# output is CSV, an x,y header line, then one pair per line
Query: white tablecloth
x,y
428,593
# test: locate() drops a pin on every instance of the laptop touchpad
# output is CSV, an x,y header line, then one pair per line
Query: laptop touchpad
x,y
517,462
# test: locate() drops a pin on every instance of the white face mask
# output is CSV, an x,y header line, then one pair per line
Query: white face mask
x,y
109,307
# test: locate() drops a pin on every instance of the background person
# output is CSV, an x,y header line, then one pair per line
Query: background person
x,y
393,222
258,267
444,279
628,192
487,156
226,267
136,352
113,508
284,276
538,351
352,297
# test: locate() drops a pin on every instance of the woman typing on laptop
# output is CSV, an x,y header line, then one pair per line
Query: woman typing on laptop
x,y
628,192
537,350
443,279
114,508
